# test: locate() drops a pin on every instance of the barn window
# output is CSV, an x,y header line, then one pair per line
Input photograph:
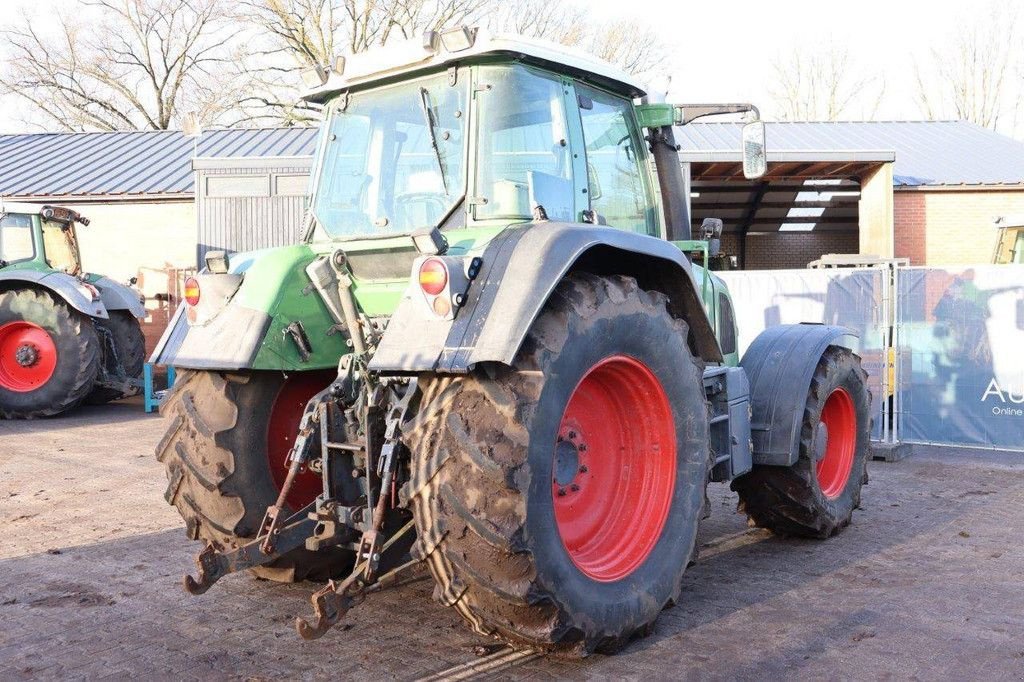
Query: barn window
x,y
238,186
291,185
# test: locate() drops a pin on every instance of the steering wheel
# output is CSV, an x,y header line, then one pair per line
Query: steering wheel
x,y
433,204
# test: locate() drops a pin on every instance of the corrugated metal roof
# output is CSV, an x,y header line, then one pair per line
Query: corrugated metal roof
x,y
927,152
129,164
157,163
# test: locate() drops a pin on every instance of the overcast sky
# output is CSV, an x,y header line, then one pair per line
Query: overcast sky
x,y
724,50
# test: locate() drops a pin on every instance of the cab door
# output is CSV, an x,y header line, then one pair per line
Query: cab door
x,y
616,166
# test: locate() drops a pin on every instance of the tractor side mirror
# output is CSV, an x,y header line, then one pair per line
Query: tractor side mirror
x,y
1020,314
755,159
772,316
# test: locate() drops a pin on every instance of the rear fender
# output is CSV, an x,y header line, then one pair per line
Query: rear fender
x,y
780,364
66,287
521,268
117,296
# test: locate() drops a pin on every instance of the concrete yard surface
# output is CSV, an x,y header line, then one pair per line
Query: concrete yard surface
x,y
926,584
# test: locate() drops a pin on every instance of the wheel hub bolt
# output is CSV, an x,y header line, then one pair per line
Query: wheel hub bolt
x,y
583,469
561,492
26,355
575,488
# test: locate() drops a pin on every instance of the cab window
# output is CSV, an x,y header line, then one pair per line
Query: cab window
x,y
619,194
524,160
16,237
59,245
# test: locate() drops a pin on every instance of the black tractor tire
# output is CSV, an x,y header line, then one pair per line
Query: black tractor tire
x,y
215,455
485,470
130,346
791,500
74,343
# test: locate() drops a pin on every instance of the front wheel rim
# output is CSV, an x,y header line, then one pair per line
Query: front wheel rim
x,y
614,468
839,419
28,356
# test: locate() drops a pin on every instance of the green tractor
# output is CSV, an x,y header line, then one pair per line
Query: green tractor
x,y
492,354
66,336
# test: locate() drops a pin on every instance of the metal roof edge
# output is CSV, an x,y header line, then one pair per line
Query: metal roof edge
x,y
962,187
212,162
787,155
59,199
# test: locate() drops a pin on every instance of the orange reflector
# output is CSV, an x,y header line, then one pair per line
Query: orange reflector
x,y
192,291
433,276
442,306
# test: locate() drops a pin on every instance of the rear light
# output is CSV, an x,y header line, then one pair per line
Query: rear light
x,y
442,306
192,291
433,276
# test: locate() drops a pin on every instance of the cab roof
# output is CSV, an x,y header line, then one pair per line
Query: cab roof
x,y
437,50
20,207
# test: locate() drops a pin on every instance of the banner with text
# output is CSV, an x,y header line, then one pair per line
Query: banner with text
x,y
961,372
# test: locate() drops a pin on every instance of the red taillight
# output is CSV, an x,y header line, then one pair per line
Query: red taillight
x,y
433,276
192,291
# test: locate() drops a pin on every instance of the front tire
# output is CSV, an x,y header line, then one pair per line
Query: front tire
x,y
557,501
224,449
816,496
48,355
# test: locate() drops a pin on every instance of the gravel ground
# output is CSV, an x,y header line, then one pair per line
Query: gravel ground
x,y
926,583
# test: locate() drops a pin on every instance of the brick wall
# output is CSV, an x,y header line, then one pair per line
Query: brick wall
x,y
936,227
790,250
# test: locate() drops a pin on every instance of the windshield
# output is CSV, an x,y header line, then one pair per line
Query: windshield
x,y
393,160
16,238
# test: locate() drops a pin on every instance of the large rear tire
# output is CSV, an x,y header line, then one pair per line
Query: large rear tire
x,y
557,501
130,347
816,496
224,452
48,355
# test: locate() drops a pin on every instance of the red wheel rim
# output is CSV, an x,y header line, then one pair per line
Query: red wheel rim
x,y
614,468
28,356
285,416
839,419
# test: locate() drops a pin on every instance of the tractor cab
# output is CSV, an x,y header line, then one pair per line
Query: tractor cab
x,y
40,238
462,129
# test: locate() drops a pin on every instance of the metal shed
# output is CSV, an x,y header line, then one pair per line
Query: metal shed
x,y
248,203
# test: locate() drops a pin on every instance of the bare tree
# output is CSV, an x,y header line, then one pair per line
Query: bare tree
x,y
822,85
627,43
560,22
630,45
976,73
291,35
145,64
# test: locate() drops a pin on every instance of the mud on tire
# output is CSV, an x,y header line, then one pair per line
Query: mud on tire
x,y
74,343
481,488
790,500
214,453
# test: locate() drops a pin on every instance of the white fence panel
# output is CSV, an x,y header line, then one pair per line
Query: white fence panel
x,y
858,298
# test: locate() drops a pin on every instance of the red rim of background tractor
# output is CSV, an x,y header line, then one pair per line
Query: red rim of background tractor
x,y
614,468
28,356
839,416
283,425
